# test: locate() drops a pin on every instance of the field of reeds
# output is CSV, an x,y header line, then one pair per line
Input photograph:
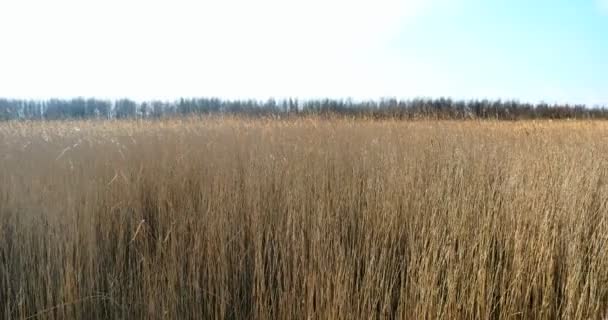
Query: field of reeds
x,y
226,218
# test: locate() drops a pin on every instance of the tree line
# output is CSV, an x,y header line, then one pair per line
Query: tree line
x,y
439,108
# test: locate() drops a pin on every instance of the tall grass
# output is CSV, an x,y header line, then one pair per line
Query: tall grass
x,y
303,219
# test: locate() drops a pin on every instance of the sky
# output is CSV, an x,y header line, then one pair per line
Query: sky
x,y
528,50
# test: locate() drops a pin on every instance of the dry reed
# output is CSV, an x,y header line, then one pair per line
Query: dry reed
x,y
303,219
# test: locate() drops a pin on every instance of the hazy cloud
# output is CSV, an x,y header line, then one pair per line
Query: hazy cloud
x,y
187,47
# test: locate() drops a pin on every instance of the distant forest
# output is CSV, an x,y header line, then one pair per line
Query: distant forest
x,y
442,108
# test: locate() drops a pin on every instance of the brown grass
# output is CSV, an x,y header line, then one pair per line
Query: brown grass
x,y
303,219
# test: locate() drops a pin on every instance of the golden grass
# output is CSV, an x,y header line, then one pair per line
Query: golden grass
x,y
303,219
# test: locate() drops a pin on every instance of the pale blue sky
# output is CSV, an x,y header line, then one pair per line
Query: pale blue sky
x,y
532,50
554,51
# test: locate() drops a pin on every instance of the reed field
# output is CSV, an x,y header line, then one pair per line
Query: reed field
x,y
303,218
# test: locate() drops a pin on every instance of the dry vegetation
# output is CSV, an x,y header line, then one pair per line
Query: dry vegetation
x,y
303,219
